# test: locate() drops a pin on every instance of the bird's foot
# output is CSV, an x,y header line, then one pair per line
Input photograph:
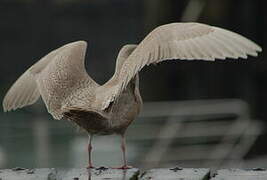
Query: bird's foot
x,y
124,167
90,167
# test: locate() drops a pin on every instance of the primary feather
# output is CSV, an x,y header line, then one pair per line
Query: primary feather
x,y
23,92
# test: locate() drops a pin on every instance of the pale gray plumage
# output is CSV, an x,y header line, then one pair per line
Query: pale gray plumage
x,y
68,91
182,41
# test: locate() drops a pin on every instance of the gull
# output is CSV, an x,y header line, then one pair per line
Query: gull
x,y
69,93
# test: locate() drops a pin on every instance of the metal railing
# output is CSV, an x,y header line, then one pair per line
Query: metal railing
x,y
208,132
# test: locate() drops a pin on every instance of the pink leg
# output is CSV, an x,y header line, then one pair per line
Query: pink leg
x,y
90,151
123,148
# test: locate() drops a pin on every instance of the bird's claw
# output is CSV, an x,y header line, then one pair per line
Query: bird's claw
x,y
90,167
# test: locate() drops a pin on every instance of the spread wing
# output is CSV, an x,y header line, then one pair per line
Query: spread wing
x,y
182,41
25,91
55,77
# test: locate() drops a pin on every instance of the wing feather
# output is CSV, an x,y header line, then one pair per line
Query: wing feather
x,y
23,92
184,41
57,77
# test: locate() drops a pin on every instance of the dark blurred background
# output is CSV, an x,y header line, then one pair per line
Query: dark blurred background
x,y
29,29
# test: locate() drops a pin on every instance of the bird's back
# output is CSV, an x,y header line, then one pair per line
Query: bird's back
x,y
114,119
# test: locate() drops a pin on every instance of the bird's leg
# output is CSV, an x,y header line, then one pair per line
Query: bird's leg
x,y
123,148
90,152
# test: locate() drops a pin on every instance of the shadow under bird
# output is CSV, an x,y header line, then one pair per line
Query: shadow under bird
x,y
70,93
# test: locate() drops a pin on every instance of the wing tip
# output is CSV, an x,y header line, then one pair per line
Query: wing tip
x,y
6,108
5,105
259,49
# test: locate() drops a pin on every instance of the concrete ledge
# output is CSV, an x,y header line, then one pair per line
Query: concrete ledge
x,y
97,174
103,173
176,173
69,174
240,174
27,174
